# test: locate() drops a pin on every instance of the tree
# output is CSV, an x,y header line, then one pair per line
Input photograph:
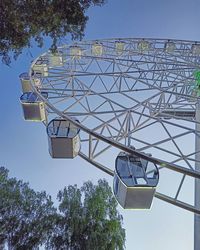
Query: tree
x,y
88,219
23,20
25,215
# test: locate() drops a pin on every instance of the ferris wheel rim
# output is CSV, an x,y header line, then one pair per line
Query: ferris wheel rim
x,y
91,133
116,144
158,195
127,149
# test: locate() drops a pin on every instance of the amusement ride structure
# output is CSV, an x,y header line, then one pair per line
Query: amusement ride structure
x,y
130,103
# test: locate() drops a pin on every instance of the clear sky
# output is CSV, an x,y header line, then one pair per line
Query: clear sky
x,y
23,145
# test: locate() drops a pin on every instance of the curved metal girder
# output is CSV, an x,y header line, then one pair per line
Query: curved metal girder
x,y
118,145
174,87
158,195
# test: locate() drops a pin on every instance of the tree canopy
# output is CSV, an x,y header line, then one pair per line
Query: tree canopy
x,y
86,217
24,20
25,215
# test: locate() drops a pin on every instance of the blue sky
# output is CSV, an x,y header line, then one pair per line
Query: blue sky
x,y
23,145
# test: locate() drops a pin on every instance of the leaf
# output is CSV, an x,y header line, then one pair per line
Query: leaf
x,y
22,21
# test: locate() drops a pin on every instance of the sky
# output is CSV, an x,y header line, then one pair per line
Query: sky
x,y
23,145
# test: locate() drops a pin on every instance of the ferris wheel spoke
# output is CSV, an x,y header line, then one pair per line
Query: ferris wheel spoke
x,y
177,147
119,135
177,203
137,96
158,195
102,96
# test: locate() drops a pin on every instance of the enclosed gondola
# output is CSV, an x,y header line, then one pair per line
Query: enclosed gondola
x,y
143,46
33,107
55,59
119,47
63,138
76,52
26,82
97,49
40,68
170,47
135,181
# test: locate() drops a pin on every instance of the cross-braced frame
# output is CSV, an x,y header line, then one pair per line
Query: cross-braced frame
x,y
134,95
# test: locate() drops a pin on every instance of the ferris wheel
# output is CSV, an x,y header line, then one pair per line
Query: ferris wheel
x,y
130,107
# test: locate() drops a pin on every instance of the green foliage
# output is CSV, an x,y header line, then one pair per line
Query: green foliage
x,y
88,219
21,20
196,74
195,87
25,215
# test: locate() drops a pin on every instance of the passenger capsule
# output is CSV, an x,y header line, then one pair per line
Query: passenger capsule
x,y
76,52
135,181
33,107
55,59
40,68
97,49
143,46
119,47
26,82
63,138
196,49
170,47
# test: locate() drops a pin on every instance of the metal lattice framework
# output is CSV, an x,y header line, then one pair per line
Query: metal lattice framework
x,y
131,92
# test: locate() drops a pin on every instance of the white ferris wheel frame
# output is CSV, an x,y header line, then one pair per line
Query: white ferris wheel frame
x,y
166,77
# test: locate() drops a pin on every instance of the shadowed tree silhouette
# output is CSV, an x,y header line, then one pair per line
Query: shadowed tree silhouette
x,y
21,21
